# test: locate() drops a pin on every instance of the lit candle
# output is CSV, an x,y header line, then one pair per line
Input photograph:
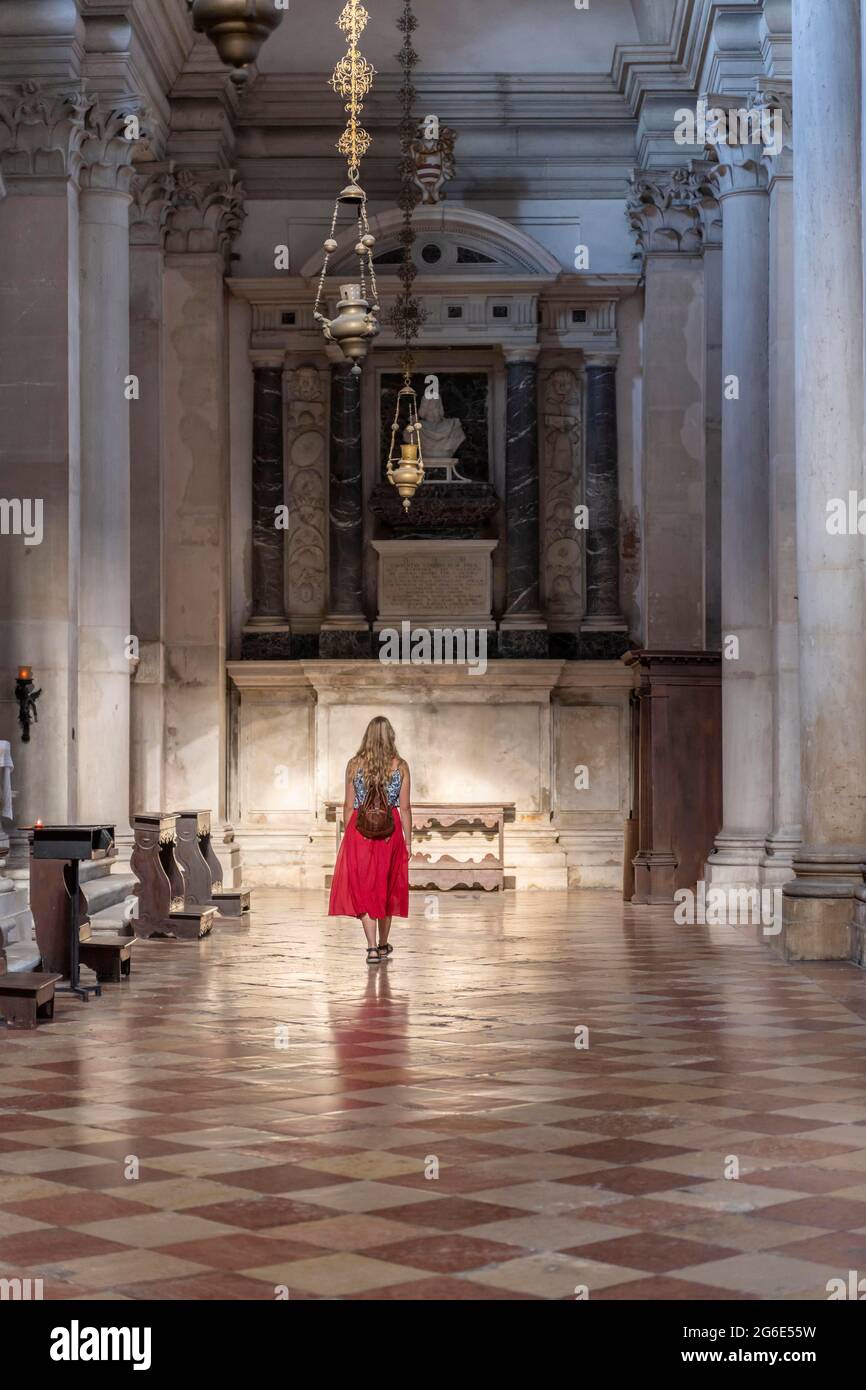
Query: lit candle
x,y
38,825
25,673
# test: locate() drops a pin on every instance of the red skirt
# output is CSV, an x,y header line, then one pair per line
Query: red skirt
x,y
371,877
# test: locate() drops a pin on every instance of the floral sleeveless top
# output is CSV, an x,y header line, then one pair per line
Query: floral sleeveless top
x,y
392,788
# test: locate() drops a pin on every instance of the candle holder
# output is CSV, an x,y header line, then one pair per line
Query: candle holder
x,y
26,697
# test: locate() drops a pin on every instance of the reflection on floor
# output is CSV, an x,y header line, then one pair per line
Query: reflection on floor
x,y
260,1114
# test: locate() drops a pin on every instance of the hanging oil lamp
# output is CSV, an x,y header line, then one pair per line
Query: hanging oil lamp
x,y
405,464
355,325
237,29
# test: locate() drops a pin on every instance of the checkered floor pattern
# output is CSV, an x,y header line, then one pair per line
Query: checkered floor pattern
x,y
539,1094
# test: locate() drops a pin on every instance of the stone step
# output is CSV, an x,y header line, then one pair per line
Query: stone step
x,y
107,891
22,955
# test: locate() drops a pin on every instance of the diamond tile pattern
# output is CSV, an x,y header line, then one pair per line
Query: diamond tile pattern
x,y
260,1112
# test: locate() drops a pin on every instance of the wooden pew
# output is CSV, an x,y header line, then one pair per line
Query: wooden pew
x,y
202,870
163,909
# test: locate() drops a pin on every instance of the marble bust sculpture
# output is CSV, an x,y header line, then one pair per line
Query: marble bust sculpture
x,y
440,437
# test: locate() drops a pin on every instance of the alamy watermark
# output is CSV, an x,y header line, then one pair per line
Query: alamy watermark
x,y
726,906
713,125
22,516
438,646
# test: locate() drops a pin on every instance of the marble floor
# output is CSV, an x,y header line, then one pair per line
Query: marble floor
x,y
261,1115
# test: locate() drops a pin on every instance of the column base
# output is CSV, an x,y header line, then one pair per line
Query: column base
x,y
821,907
858,928
736,859
654,877
780,851
603,622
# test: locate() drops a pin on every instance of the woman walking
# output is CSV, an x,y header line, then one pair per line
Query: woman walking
x,y
371,877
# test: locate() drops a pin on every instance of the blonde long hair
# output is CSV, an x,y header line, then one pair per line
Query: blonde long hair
x,y
376,755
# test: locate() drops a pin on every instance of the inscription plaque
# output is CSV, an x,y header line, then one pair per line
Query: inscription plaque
x,y
426,582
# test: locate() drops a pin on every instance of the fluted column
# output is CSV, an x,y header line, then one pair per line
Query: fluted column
x,y
747,683
41,130
104,615
784,836
603,613
269,604
523,632
828,268
152,200
665,216
345,632
204,221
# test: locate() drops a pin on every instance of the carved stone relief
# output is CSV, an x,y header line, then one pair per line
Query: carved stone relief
x,y
562,445
306,493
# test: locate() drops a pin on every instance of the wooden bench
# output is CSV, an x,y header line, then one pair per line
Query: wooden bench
x,y
202,871
162,906
443,871
109,956
26,998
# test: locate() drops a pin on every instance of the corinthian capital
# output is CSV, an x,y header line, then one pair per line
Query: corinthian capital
x,y
41,131
207,212
112,135
774,103
663,210
153,197
737,140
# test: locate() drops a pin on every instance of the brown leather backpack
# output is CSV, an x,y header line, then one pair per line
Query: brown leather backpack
x,y
374,820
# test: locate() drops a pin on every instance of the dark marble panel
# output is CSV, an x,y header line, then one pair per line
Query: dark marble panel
x,y
595,646
439,510
521,489
529,643
346,493
602,494
345,645
267,540
267,646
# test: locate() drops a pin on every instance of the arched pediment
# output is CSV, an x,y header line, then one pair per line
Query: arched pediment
x,y
449,240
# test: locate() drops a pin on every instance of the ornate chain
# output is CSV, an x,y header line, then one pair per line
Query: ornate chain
x,y
352,80
407,315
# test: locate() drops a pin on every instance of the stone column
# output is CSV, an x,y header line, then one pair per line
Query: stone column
x,y
603,615
152,200
206,218
828,272
713,390
345,632
104,616
747,646
269,603
664,212
41,130
784,837
522,632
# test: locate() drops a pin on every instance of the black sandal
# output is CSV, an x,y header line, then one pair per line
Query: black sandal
x,y
373,957
387,948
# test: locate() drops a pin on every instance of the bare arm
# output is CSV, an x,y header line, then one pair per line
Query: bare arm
x,y
349,798
406,808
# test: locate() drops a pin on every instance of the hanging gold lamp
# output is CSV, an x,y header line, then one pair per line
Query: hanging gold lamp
x,y
404,467
355,325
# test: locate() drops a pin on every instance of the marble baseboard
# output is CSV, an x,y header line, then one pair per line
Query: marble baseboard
x,y
345,644
596,646
529,643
